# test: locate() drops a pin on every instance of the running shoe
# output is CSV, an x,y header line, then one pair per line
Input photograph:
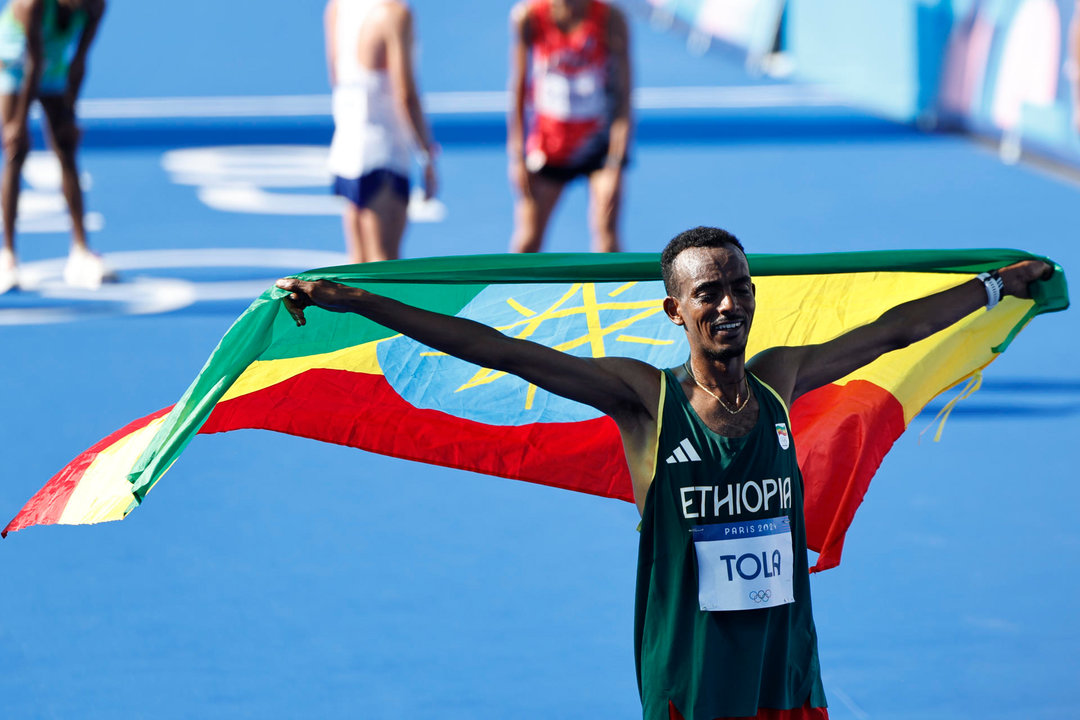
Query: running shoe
x,y
9,271
85,269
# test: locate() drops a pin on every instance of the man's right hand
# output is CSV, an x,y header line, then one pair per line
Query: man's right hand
x,y
431,180
325,294
16,138
519,176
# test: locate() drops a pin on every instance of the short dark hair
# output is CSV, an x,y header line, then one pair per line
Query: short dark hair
x,y
702,237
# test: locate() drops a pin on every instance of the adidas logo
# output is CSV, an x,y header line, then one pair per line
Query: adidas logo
x,y
685,452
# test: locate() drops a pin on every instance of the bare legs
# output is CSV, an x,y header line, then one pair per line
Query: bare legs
x,y
374,232
83,268
14,157
63,134
533,211
64,137
605,195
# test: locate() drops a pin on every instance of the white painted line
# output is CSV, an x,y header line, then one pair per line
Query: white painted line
x,y
447,103
147,295
850,704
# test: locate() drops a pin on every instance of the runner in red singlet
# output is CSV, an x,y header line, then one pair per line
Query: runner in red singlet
x,y
570,114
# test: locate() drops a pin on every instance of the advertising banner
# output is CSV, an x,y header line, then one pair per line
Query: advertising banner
x,y
1012,67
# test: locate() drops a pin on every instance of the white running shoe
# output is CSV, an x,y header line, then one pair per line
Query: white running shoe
x,y
9,271
85,269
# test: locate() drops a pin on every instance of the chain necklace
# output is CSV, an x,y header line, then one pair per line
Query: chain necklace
x,y
722,401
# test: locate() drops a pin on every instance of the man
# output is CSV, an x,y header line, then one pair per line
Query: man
x,y
570,67
43,49
718,633
377,122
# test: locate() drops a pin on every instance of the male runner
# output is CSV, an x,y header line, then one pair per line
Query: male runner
x,y
43,49
378,121
570,70
729,647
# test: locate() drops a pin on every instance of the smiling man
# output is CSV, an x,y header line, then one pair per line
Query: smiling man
x,y
723,621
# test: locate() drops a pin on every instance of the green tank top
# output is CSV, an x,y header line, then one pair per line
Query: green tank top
x,y
58,41
711,497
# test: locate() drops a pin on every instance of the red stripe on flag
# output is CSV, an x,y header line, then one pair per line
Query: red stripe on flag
x,y
48,504
364,411
842,432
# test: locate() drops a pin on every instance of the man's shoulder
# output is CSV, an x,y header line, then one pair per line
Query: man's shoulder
x,y
777,368
26,9
521,12
392,12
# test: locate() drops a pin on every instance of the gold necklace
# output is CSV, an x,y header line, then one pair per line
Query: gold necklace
x,y
722,401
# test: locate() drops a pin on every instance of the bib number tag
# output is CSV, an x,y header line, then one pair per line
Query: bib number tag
x,y
744,565
576,97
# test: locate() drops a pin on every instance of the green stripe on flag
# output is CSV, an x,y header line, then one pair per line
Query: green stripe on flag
x,y
446,284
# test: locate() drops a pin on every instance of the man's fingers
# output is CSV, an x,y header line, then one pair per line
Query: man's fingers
x,y
296,300
1019,276
295,309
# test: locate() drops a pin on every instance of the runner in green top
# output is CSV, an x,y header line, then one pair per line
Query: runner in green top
x,y
732,506
43,49
724,622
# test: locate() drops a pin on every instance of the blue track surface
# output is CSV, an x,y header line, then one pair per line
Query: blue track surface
x,y
269,576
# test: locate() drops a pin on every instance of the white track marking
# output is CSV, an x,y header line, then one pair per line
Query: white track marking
x,y
844,698
147,295
242,179
42,208
448,103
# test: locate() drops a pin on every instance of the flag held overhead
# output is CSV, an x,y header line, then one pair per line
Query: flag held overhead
x,y
346,380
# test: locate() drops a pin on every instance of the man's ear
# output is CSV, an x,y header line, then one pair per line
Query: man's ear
x,y
671,307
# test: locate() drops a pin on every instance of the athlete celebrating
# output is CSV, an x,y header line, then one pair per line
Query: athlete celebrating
x,y
570,70
723,621
43,49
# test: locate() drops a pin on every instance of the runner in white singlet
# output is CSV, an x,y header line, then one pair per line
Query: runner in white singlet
x,y
378,122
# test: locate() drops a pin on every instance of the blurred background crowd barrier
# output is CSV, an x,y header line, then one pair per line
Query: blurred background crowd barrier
x,y
1007,69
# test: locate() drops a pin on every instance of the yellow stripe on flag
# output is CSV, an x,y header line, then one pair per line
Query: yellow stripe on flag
x,y
792,310
262,374
103,492
810,309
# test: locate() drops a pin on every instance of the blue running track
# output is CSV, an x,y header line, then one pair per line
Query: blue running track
x,y
270,576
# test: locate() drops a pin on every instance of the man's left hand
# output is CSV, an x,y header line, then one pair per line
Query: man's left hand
x,y
325,294
1019,276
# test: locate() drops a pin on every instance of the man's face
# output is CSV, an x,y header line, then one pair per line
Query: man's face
x,y
713,301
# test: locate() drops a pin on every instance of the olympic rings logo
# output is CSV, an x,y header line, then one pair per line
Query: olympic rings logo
x,y
760,596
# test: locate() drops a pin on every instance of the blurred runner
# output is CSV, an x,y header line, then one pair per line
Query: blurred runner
x,y
570,72
43,49
377,122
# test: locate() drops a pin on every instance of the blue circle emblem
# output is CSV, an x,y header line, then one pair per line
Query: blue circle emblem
x,y
584,319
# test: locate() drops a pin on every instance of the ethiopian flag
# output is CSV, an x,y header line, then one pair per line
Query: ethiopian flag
x,y
346,380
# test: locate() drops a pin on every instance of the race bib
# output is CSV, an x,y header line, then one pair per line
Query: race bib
x,y
744,565
571,97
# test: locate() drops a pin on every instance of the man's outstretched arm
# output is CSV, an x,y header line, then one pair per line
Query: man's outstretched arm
x,y
795,371
625,389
